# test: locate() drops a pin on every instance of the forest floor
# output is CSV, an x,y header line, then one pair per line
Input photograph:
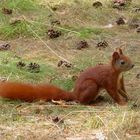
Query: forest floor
x,y
24,26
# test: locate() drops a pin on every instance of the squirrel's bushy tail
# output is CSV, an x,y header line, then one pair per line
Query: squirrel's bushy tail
x,y
29,92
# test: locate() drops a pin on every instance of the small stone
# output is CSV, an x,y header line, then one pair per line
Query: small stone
x,y
120,2
138,30
60,63
7,11
134,23
54,8
97,4
100,63
74,77
3,79
55,22
37,111
135,106
64,63
57,120
136,9
5,47
120,21
15,22
138,76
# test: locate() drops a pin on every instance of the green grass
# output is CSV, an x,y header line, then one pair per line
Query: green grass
x,y
88,32
4,19
66,84
9,67
21,5
21,8
22,28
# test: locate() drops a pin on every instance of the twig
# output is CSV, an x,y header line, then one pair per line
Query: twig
x,y
47,45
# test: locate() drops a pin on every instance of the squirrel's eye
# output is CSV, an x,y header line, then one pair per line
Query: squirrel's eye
x,y
122,62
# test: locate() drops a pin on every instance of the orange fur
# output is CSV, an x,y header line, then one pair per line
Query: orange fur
x,y
108,77
87,87
29,92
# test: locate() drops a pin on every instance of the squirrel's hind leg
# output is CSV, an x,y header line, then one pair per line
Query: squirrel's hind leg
x,y
88,93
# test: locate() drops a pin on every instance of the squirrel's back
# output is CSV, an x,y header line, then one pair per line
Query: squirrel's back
x,y
100,74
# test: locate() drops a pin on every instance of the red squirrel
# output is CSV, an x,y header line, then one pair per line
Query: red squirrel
x,y
87,86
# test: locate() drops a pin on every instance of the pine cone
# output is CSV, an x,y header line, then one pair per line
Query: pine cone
x,y
53,34
82,44
102,44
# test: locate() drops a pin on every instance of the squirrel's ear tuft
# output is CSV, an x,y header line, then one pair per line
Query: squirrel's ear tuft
x,y
120,51
116,55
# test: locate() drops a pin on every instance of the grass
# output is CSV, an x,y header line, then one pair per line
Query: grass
x,y
21,29
24,5
88,32
9,68
79,21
